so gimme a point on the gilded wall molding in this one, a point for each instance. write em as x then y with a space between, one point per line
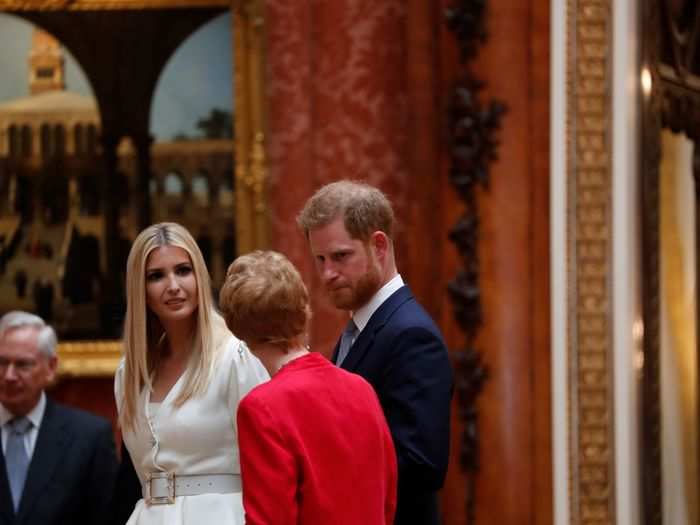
88 358
589 197
106 5
250 125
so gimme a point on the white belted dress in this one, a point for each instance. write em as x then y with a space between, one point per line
196 438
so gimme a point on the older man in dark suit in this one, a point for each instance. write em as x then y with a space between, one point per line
57 465
390 340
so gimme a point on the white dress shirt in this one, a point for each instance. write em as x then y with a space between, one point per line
35 416
361 315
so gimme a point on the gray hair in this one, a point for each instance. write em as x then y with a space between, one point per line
46 341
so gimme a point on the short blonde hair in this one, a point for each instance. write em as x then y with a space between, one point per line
264 299
142 331
363 208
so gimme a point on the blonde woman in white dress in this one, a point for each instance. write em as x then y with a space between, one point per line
179 384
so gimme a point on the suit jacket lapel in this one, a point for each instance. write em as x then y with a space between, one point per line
7 513
48 451
379 318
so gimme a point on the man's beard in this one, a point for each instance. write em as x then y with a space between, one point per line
363 291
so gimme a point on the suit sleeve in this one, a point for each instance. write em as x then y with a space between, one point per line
416 396
268 467
103 470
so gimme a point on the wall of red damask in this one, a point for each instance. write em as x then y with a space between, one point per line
337 109
360 89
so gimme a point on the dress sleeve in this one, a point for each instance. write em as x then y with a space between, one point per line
119 385
268 467
247 372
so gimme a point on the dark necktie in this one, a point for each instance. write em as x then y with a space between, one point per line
346 340
16 457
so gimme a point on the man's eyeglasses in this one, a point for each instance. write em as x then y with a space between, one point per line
21 366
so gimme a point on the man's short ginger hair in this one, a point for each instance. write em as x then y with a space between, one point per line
264 299
363 208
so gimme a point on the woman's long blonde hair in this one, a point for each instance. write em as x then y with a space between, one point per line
143 332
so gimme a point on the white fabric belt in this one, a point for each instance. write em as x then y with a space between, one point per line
162 488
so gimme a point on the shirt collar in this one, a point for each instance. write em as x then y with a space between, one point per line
362 315
35 415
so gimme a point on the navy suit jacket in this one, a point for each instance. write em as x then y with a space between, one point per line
401 353
127 491
71 474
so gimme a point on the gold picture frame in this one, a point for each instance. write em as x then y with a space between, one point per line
99 358
670 109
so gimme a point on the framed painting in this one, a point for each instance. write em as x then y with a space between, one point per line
104 155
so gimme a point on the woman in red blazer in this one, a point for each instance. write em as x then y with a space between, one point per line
315 447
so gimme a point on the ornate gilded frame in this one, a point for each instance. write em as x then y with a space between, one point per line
589 260
671 100
100 358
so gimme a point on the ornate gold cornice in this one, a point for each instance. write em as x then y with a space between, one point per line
589 195
89 358
98 5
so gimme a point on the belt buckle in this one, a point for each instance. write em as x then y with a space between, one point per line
160 500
